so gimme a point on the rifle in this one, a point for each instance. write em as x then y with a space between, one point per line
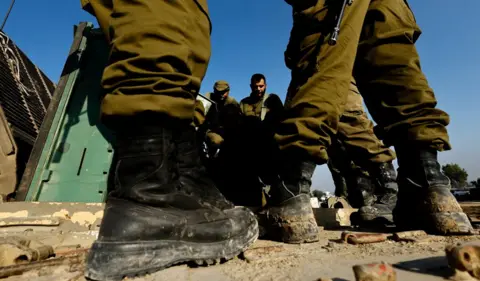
336 29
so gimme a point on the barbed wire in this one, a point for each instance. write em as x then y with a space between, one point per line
13 63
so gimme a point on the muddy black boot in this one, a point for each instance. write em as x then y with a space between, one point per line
361 193
289 214
160 213
425 201
193 173
339 181
361 189
386 190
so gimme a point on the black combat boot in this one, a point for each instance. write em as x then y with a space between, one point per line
193 173
361 188
425 201
386 190
289 214
163 209
339 181
338 164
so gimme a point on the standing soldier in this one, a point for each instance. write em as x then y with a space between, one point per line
164 209
369 183
259 103
262 113
218 111
376 44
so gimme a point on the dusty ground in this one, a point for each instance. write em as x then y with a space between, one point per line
265 260
268 260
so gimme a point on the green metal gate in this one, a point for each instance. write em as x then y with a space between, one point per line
71 157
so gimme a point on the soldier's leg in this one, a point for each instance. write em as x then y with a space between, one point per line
339 165
400 100
163 209
374 188
355 130
320 79
199 114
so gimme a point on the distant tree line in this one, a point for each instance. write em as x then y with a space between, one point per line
476 183
458 176
318 193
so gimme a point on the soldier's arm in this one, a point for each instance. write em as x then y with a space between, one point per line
199 114
241 105
274 104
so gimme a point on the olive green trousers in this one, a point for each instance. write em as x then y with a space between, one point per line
355 132
160 51
376 44
159 55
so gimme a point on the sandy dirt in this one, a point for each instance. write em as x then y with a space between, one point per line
267 260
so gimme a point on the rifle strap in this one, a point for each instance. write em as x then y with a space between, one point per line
264 108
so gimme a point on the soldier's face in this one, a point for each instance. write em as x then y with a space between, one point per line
259 88
221 95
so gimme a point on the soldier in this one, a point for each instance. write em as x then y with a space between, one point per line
259 103
361 165
223 146
218 114
261 114
376 44
164 210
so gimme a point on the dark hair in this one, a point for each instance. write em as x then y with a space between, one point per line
257 77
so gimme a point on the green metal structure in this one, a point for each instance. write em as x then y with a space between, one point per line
71 157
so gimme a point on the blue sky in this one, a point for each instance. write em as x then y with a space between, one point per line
250 36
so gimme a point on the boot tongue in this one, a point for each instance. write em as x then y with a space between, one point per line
193 174
295 178
425 172
421 167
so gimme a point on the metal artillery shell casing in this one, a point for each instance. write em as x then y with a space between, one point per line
465 257
409 235
374 272
363 238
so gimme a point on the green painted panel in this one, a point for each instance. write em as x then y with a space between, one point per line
75 161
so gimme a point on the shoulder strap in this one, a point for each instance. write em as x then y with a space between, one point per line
206 103
242 106
264 108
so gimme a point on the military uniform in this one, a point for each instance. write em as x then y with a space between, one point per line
361 165
246 155
199 115
355 131
395 90
253 106
163 208
219 114
376 44
156 86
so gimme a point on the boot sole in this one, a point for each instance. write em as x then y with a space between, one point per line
112 261
382 218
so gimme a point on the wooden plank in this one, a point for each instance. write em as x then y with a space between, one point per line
472 209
